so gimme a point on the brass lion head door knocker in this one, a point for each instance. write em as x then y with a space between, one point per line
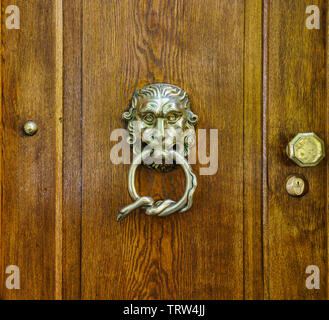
161 129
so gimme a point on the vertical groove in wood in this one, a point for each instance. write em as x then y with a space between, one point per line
59 149
72 149
265 22
327 142
253 280
2 268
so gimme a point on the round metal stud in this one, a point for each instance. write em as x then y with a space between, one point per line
30 128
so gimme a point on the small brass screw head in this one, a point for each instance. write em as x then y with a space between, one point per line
306 149
30 128
296 185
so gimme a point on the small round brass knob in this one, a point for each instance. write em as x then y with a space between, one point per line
306 149
296 185
30 128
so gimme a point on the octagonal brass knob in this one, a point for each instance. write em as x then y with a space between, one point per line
306 149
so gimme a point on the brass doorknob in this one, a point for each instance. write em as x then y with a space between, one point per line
306 149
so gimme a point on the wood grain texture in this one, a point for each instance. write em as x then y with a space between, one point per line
199 47
31 166
253 272
72 148
297 102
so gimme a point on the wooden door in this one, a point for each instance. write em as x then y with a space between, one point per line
252 70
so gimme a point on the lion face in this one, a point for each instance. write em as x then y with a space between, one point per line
159 116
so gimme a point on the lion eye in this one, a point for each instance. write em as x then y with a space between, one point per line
173 117
149 118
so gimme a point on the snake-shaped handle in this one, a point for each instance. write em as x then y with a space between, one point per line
160 208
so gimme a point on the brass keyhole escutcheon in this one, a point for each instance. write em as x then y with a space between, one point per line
296 185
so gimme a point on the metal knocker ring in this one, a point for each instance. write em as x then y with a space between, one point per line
160 107
160 208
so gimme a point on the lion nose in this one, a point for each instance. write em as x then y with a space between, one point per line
160 127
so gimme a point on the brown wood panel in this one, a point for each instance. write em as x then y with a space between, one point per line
31 166
72 148
296 228
253 259
198 46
